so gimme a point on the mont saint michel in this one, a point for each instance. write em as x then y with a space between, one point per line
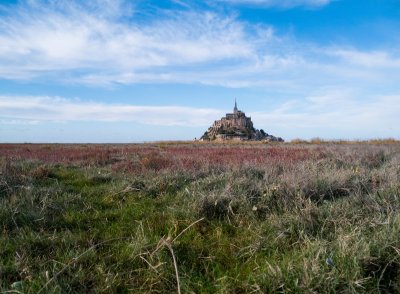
238 127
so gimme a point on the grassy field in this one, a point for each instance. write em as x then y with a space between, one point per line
200 218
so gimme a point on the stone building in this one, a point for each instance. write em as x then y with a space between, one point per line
236 126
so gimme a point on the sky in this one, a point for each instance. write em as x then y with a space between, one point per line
114 71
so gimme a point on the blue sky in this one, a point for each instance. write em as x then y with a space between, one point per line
134 71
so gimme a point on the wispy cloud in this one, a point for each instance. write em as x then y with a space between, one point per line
336 113
281 3
368 59
100 43
31 109
18 122
327 113
41 39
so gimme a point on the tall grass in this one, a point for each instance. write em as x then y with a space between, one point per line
202 218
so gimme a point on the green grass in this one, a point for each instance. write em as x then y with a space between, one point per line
233 227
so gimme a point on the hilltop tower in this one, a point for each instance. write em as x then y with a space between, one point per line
235 109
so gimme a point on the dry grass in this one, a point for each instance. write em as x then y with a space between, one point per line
300 217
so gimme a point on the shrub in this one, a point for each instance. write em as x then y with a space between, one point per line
156 161
12 177
41 172
216 208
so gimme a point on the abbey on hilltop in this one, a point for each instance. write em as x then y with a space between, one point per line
236 126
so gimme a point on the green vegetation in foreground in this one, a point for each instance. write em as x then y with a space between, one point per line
326 223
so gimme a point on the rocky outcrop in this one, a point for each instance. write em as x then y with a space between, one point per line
236 126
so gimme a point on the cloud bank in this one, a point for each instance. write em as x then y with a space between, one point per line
324 114
37 109
62 38
330 112
108 42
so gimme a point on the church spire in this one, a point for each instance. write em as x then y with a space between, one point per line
235 109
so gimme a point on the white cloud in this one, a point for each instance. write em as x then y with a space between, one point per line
281 3
335 113
18 122
372 59
15 109
101 44
327 113
68 36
